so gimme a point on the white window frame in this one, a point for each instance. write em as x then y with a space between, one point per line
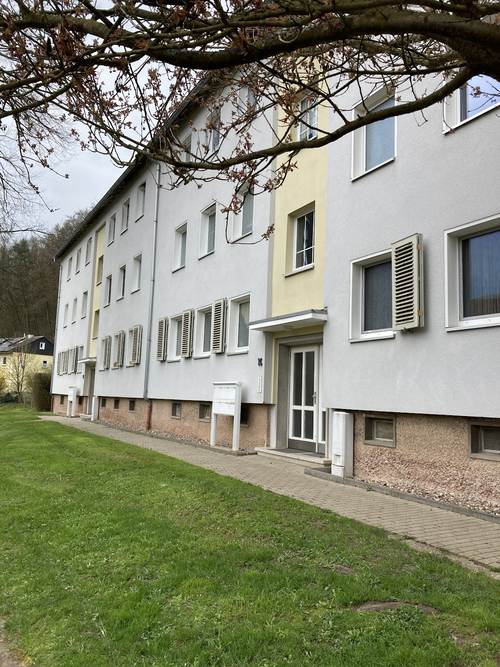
66 315
199 330
140 201
356 301
358 148
454 320
308 119
179 231
111 228
108 286
99 270
137 271
85 301
174 326
215 119
74 310
452 117
125 216
122 276
204 229
70 268
88 251
233 322
238 232
295 219
78 260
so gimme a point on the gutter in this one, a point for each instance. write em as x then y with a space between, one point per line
54 355
151 295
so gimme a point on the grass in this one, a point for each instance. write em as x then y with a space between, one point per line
115 555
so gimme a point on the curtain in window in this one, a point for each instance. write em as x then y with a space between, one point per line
380 138
377 297
481 274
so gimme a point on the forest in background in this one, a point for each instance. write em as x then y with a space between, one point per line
29 279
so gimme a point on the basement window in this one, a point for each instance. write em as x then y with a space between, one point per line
205 412
176 409
131 406
116 404
485 441
244 414
380 431
103 402
61 399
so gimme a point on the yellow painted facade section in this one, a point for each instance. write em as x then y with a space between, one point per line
303 189
96 295
14 375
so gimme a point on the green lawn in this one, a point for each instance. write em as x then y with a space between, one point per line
114 555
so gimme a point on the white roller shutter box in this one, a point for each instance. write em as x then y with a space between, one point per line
218 326
407 283
186 333
161 340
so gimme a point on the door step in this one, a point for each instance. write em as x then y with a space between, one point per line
294 456
85 418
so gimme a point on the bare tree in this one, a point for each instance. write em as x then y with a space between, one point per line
123 69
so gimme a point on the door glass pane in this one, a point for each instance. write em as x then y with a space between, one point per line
309 424
377 297
481 274
309 378
297 378
380 138
297 424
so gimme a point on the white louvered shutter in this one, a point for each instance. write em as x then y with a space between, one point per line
121 348
186 333
407 283
75 360
218 326
135 355
139 344
161 341
108 352
59 363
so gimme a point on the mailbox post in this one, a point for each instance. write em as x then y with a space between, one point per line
226 401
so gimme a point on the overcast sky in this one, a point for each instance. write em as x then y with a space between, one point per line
90 175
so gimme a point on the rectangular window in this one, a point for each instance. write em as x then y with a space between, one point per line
245 414
247 213
61 399
116 404
66 315
111 228
125 216
204 412
141 200
174 342
176 409
304 241
214 124
243 321
121 283
88 251
137 268
207 241
95 325
238 328
103 402
70 265
203 332
377 297
78 260
477 95
131 406
107 290
180 247
100 268
308 119
481 274
375 143
379 431
85 298
74 311
485 440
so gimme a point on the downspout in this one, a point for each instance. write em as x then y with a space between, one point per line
151 298
54 355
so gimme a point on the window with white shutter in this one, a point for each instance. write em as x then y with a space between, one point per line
161 339
119 349
106 353
218 326
135 345
407 283
186 333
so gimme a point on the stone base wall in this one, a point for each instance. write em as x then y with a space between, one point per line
189 426
431 457
59 408
122 416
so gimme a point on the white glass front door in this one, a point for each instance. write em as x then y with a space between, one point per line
306 421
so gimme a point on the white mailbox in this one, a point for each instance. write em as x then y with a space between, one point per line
72 400
342 442
226 401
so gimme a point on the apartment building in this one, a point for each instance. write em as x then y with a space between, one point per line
164 303
364 333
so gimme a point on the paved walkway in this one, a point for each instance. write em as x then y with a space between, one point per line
469 538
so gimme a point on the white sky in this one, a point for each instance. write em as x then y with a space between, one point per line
90 176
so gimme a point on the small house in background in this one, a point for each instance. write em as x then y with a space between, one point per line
20 358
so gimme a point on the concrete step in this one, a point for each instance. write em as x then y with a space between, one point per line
294 456
85 418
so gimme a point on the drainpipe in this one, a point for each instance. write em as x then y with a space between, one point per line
54 354
151 298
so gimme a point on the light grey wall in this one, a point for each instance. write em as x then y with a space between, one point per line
437 182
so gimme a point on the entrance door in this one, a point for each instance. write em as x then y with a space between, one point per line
305 426
90 389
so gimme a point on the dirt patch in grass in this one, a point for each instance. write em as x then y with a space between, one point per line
373 605
7 657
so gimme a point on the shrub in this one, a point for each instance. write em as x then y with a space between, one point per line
40 388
